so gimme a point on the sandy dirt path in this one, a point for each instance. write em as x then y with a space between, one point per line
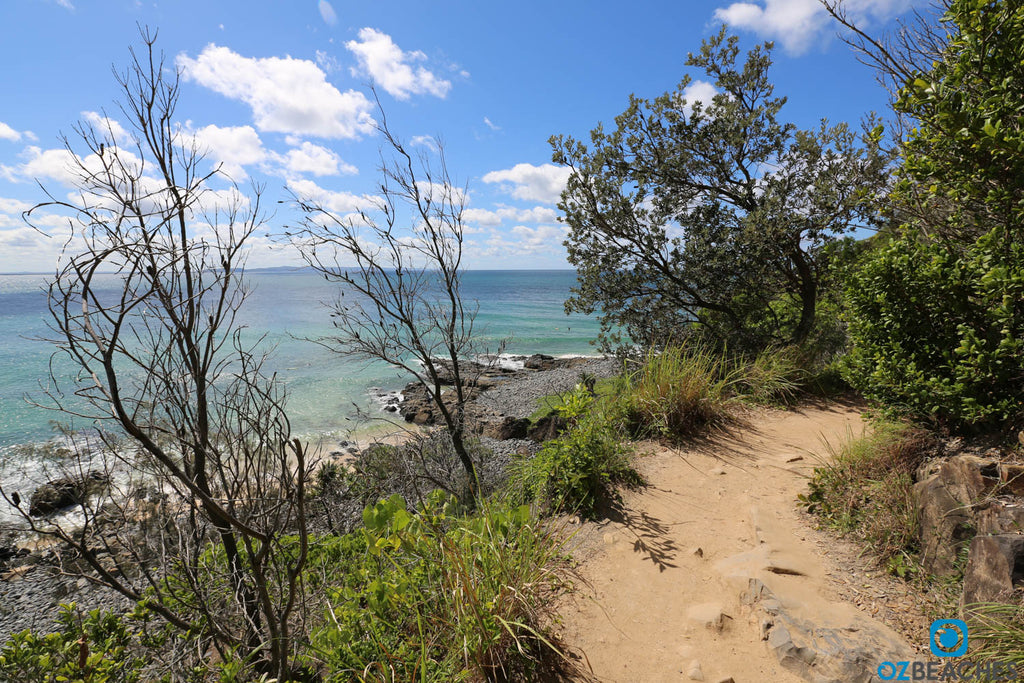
666 576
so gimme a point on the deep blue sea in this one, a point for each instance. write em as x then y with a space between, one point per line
526 307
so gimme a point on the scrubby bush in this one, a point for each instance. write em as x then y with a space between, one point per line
865 488
431 595
938 333
92 648
578 471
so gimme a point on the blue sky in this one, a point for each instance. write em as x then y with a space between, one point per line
279 92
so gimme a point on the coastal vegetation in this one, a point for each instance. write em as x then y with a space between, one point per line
714 241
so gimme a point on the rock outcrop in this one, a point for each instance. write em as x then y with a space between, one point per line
970 505
824 654
61 493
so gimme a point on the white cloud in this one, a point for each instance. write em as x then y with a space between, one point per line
328 62
533 183
8 133
234 147
327 13
310 158
13 206
287 95
337 202
698 91
424 141
492 218
107 127
51 164
523 241
392 69
491 125
797 24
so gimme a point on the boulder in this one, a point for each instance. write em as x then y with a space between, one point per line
547 428
995 568
946 525
503 428
64 492
1001 515
539 361
946 497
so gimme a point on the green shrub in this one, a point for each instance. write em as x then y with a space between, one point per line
938 332
95 648
432 595
865 489
578 471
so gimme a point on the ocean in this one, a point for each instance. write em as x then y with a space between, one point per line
523 307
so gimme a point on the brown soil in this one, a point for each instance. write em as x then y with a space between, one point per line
714 515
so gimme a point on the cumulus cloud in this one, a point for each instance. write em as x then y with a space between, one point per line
286 95
337 202
320 161
234 147
493 218
8 133
542 183
50 164
524 241
392 69
699 91
797 24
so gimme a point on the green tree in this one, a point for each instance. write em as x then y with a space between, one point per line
937 313
713 212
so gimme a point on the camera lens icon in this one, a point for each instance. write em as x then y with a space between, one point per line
948 638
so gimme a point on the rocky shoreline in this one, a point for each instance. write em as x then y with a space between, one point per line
504 394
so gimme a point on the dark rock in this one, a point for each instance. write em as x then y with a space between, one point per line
995 567
539 361
504 428
547 428
1012 476
66 491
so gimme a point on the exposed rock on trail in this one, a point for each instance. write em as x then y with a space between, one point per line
712 570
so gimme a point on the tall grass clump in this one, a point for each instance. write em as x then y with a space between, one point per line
775 376
997 633
865 489
579 470
434 595
676 392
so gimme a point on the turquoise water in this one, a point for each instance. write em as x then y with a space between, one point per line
526 307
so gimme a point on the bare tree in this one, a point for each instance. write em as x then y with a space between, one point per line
399 264
203 519
901 54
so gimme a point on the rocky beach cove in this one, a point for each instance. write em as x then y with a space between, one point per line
32 584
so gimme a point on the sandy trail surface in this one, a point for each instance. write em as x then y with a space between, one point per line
664 578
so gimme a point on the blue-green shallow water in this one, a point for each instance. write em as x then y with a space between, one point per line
286 306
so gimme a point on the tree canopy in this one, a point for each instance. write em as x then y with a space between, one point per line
713 215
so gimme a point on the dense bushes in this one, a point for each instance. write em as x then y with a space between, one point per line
937 333
578 471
